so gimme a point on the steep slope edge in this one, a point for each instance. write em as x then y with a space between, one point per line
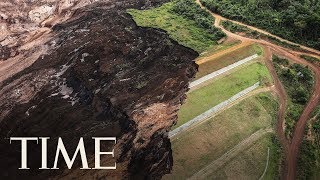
96 74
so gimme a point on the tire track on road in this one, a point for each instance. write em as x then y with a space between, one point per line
290 166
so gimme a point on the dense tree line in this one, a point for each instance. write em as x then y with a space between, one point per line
190 10
298 81
295 20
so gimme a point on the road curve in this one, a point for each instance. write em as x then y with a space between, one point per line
289 171
282 95
219 18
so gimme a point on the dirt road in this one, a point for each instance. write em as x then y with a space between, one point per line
282 98
281 93
219 18
300 127
291 149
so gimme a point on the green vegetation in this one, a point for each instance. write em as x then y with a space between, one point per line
236 28
298 82
250 164
223 46
221 89
311 59
190 10
184 21
227 59
298 21
197 147
309 159
274 158
281 43
269 104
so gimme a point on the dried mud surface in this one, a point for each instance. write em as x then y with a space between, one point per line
83 68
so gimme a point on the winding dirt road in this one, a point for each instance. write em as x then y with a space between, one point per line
291 149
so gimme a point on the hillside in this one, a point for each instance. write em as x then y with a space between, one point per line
90 72
184 21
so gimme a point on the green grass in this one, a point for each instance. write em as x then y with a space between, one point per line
223 46
199 146
221 89
236 28
311 59
185 31
269 104
250 164
227 59
275 158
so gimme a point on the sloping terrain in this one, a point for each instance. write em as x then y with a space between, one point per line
204 144
84 69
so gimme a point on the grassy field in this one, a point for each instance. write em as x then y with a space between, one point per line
228 43
221 89
251 163
180 28
227 59
199 146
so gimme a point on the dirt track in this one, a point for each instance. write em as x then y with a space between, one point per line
291 149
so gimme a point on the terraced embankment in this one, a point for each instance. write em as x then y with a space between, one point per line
221 71
202 144
213 92
209 113
289 171
232 153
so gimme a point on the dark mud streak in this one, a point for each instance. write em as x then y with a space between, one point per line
126 71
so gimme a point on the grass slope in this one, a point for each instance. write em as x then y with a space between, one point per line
184 25
197 147
221 89
227 59
250 164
